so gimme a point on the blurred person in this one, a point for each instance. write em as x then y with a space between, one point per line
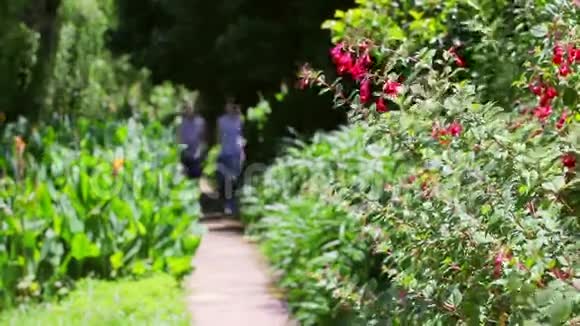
191 134
231 156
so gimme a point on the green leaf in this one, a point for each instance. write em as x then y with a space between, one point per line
570 97
116 260
179 266
560 310
539 30
82 247
555 184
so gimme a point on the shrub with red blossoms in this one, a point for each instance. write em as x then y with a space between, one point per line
489 177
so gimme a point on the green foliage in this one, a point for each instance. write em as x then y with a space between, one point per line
57 61
104 199
152 301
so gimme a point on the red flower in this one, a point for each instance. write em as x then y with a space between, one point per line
558 57
498 264
562 121
357 71
381 105
536 89
543 112
336 52
560 274
500 258
455 129
564 70
392 88
459 61
341 58
412 179
551 92
441 135
569 160
571 53
544 100
365 91
365 60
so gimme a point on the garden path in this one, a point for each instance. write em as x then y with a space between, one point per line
230 284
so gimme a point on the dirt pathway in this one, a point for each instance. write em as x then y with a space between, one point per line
230 285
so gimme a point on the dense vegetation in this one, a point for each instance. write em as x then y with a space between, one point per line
103 200
453 196
90 185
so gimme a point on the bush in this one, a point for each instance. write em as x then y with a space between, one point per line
152 301
110 202
463 212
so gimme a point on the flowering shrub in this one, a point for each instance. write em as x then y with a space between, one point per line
479 222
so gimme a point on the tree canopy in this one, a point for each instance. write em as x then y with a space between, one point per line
235 47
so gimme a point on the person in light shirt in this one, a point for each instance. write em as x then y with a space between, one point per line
231 156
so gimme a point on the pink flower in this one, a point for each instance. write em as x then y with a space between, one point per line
392 88
455 129
365 91
381 105
543 112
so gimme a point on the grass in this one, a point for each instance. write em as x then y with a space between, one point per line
155 301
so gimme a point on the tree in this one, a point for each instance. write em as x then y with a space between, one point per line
227 47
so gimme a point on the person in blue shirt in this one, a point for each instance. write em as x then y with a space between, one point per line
231 156
191 134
